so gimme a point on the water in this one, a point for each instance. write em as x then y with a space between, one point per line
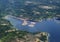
51 26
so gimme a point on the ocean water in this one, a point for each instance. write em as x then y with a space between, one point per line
51 26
